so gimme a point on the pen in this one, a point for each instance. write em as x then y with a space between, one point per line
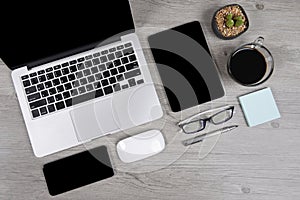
209 134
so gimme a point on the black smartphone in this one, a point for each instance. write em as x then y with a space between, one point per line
185 65
78 170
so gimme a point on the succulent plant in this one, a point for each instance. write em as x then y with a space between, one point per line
236 21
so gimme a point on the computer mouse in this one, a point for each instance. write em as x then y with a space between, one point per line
140 146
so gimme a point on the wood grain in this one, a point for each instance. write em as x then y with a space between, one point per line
262 162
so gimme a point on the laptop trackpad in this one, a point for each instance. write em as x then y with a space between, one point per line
93 120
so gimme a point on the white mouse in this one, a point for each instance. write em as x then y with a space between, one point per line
140 146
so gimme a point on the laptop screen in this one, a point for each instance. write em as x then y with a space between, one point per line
48 30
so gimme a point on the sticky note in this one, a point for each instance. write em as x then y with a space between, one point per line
259 107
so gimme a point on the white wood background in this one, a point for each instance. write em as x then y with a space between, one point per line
262 162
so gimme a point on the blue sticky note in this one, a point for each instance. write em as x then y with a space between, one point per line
259 107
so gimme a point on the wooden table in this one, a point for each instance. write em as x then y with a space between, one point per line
262 162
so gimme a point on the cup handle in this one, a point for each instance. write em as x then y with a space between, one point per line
259 40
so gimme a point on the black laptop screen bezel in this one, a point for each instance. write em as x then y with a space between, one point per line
16 51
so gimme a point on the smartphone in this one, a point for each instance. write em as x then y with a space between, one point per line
78 170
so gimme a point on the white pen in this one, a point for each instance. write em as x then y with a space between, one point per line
210 134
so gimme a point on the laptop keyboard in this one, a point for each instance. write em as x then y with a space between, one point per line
93 76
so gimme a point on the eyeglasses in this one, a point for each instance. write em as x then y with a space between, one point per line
193 126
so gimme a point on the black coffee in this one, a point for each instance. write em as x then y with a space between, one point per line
247 66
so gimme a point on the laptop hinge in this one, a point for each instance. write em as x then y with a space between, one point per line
111 40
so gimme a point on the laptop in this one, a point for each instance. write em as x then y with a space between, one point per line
79 71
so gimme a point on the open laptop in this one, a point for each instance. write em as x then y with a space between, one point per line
78 71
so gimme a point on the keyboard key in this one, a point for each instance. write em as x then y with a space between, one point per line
103 59
94 70
65 64
42 78
113 71
128 44
52 91
68 86
132 58
112 49
96 61
80 66
37 104
51 108
128 51
106 74
121 69
50 76
109 65
57 67
43 110
76 83
69 102
41 72
33 74
40 87
104 52
120 47
71 77
88 64
140 81
34 80
89 87
50 99
24 77
83 81
72 62
125 86
91 79
66 94
117 87
118 54
33 97
44 93
80 59
132 73
98 76
120 77
117 62
58 97
108 90
26 83
74 92
49 69
35 113
111 56
48 84
104 82
86 72
96 55
63 79
81 90
131 82
112 80
65 71
131 66
60 88
99 93
97 85
88 57
56 82
30 90
101 67
73 68
124 60
79 74
60 105
57 73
